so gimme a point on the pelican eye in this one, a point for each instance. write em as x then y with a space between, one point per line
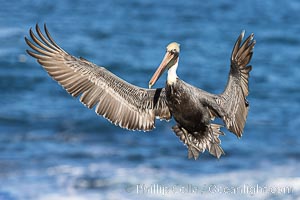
173 51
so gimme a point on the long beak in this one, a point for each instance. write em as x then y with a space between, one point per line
162 68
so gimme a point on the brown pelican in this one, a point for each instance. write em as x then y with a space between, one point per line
136 108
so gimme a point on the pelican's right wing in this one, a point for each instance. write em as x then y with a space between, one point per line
121 103
233 100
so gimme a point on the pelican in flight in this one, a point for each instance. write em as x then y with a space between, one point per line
136 108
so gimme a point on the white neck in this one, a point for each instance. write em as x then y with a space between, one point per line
172 75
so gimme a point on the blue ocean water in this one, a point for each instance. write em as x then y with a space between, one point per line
52 147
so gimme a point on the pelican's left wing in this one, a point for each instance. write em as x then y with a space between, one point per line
120 102
233 100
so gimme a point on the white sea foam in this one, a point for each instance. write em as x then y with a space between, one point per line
110 181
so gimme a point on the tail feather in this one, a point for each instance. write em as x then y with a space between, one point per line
198 142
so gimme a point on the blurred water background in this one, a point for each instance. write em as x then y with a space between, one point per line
52 147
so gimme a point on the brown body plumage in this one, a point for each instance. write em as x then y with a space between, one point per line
136 108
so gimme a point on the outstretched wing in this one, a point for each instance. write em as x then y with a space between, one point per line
120 102
233 100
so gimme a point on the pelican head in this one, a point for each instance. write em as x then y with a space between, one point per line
170 62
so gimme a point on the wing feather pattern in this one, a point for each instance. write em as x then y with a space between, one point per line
233 100
122 103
